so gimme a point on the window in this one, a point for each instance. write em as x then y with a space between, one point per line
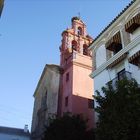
67 77
74 45
79 32
117 48
121 74
90 103
114 44
66 101
85 49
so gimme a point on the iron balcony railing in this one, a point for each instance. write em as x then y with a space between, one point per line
120 76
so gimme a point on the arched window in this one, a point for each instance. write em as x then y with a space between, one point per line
74 45
85 50
79 31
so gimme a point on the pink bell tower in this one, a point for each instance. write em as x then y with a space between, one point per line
76 87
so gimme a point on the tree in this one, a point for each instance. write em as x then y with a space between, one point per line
68 127
119 111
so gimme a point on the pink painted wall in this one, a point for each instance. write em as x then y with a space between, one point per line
82 89
78 89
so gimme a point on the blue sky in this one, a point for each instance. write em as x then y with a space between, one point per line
30 36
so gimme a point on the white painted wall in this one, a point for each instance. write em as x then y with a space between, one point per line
50 83
134 50
100 55
135 70
101 80
135 34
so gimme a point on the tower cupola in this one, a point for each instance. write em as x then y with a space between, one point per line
78 26
75 40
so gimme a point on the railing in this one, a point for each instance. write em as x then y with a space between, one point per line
120 76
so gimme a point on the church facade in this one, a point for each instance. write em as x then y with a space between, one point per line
68 87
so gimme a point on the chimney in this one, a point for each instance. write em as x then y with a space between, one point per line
26 128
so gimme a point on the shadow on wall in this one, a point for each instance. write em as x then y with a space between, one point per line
84 106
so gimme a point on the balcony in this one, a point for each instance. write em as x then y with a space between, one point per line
114 44
120 76
118 60
133 24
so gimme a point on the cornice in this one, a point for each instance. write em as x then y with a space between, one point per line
82 37
114 22
82 65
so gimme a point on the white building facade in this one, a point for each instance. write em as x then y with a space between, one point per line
116 51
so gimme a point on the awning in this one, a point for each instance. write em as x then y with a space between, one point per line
118 60
135 59
133 24
114 42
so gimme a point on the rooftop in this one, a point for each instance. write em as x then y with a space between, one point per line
114 19
13 131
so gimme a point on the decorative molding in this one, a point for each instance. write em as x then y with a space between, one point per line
82 65
114 23
133 13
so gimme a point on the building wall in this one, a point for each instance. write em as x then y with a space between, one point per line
103 72
4 136
82 83
135 34
82 88
110 74
46 99
66 91
100 55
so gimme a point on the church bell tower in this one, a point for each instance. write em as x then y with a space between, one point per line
76 87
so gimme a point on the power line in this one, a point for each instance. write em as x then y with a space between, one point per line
15 114
14 109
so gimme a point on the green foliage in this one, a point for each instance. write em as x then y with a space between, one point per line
68 127
119 111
